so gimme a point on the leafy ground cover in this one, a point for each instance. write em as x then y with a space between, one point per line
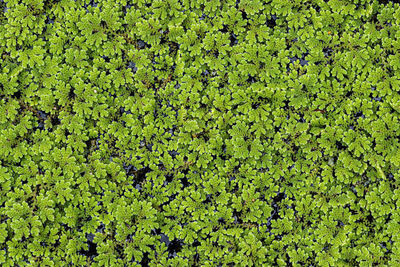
199 133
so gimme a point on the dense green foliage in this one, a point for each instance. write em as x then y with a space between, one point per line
199 133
